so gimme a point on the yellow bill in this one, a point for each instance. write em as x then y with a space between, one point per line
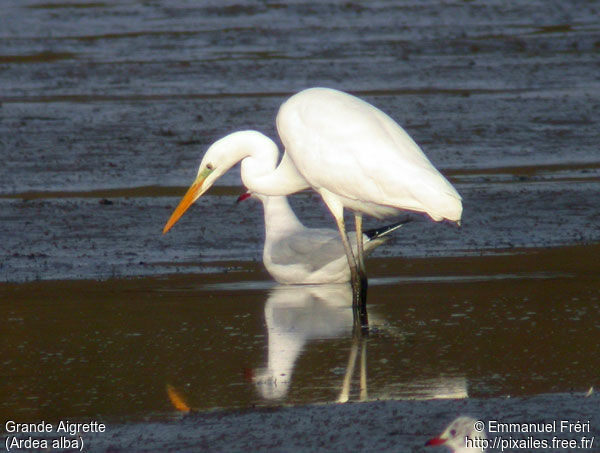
193 193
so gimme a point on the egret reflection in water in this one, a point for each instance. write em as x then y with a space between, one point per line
295 315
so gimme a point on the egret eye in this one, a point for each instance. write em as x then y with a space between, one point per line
210 167
453 432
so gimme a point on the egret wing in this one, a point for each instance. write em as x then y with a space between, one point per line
347 146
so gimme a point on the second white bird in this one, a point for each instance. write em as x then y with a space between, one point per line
294 254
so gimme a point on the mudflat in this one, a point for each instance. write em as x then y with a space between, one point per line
106 109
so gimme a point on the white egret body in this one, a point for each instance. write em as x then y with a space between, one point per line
294 254
350 152
356 156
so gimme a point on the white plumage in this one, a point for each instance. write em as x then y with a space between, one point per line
294 316
351 153
295 254
342 145
455 434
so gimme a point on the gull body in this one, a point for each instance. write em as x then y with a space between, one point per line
455 434
294 254
351 153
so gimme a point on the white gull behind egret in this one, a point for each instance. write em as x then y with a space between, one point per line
294 254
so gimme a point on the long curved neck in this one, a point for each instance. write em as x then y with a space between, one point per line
257 152
261 176
258 155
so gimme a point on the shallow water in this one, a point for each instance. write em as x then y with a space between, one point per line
105 109
516 324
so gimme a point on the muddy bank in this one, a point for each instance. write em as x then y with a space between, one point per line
105 110
74 237
377 426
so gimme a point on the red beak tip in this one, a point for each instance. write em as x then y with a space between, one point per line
244 196
435 441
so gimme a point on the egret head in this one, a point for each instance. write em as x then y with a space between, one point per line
220 157
217 160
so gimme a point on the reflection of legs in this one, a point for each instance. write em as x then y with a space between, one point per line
344 395
358 339
363 370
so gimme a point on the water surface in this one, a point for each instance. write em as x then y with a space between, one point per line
105 111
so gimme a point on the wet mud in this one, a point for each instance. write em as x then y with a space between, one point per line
105 111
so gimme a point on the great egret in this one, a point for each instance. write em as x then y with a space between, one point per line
350 152
295 255
455 435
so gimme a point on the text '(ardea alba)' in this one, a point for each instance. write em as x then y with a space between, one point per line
295 255
350 152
